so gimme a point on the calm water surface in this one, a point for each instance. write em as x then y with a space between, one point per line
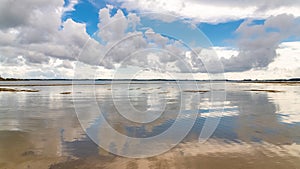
259 126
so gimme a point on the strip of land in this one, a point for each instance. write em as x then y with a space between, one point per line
17 90
259 90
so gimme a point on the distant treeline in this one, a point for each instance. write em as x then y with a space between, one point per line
172 80
9 79
272 80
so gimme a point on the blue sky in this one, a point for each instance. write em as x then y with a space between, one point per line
220 34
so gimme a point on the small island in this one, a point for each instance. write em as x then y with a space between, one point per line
16 90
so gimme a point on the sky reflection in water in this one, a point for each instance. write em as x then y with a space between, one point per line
41 129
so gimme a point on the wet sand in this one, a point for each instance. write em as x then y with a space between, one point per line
212 154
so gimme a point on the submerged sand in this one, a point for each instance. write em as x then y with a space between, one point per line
213 154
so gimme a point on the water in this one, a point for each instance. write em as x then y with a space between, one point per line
259 127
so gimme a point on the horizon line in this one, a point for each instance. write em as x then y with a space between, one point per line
108 79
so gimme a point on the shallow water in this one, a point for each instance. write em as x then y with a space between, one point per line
257 129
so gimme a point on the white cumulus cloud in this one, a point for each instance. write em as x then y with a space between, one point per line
215 11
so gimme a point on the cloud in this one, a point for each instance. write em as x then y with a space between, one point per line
63 44
66 64
43 37
123 43
20 13
285 65
114 28
257 44
215 11
39 38
36 32
70 6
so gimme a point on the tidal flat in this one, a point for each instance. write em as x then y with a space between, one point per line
258 124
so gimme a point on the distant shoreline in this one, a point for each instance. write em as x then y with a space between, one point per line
172 80
69 82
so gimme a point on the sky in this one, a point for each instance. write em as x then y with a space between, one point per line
181 39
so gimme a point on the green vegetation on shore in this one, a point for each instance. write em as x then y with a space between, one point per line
9 79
